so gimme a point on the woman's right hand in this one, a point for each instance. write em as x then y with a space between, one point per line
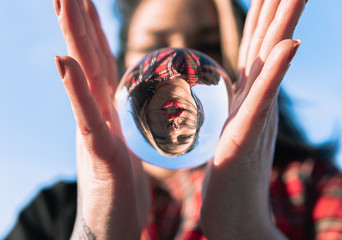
236 191
113 190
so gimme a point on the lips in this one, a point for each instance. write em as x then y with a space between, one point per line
172 109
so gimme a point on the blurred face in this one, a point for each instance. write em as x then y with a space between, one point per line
173 23
172 116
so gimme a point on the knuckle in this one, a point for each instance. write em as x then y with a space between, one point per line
263 113
97 77
236 141
87 130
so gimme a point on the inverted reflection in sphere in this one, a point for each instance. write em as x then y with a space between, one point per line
172 106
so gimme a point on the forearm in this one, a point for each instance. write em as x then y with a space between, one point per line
82 230
244 208
105 217
106 207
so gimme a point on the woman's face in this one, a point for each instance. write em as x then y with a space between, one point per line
172 116
173 23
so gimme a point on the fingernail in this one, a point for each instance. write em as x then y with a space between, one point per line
60 66
306 1
86 3
58 7
294 50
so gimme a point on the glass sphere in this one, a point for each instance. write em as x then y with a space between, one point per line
172 106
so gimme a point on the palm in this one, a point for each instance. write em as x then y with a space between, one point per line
244 154
109 176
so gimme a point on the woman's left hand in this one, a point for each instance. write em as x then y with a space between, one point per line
235 193
113 191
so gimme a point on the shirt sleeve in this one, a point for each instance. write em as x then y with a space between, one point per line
50 215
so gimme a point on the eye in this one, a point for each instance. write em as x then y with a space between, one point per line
160 139
188 123
211 49
183 138
152 47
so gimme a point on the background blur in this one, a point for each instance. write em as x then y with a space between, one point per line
36 122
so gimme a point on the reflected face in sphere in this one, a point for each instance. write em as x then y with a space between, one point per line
172 106
173 23
172 116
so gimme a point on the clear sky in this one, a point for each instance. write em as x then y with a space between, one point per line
36 122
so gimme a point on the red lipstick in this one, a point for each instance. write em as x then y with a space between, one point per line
172 109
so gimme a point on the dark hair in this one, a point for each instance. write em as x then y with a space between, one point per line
291 140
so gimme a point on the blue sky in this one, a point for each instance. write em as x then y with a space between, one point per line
36 122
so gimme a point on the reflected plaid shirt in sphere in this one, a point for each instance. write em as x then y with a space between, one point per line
168 63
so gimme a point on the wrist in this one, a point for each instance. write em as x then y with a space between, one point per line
104 214
259 228
235 205
105 227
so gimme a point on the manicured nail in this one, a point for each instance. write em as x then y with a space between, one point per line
294 50
60 66
58 7
86 3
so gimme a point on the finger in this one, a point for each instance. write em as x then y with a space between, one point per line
89 119
93 34
283 25
81 46
267 13
250 25
245 129
87 113
112 76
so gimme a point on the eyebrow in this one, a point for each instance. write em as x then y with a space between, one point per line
181 142
199 31
203 31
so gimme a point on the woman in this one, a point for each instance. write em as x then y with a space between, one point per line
114 191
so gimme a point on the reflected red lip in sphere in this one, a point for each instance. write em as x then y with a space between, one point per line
172 109
172 103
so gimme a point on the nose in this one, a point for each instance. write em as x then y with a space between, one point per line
178 40
172 125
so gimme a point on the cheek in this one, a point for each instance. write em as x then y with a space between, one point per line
155 120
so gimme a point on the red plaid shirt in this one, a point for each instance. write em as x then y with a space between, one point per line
167 63
306 203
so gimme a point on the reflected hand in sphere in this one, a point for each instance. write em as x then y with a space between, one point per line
172 107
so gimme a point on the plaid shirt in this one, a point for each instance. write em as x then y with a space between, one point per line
305 197
167 63
306 203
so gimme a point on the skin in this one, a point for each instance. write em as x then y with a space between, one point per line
179 137
151 29
111 180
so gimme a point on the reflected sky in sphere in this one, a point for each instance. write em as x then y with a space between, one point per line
207 81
